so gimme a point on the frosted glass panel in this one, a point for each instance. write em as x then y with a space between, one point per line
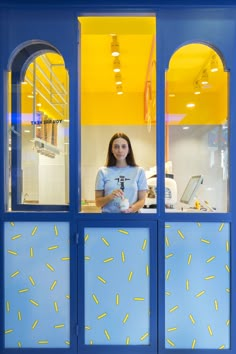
197 302
37 285
117 303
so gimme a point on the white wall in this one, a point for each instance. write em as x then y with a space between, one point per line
95 140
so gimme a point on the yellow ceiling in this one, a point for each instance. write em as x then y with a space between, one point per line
135 36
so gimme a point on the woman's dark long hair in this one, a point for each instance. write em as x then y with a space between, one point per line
111 160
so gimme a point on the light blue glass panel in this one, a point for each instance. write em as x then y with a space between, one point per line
197 302
37 285
117 296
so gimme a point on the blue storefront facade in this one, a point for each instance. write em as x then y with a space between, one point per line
78 281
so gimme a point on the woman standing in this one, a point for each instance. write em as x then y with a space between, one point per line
120 179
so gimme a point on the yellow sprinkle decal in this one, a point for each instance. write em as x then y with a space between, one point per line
50 267
144 245
117 299
8 306
127 342
189 259
169 255
86 237
167 226
65 258
59 326
101 279
14 253
181 234
95 299
168 293
53 285
16 237
192 319
227 268
87 328
138 298
8 331
23 290
19 344
107 334
174 308
187 284
67 342
43 342
210 259
35 324
108 260
32 280
34 302
31 252
102 315
53 247
170 342
12 223
221 227
198 224
227 322
216 305
193 343
144 336
14 274
210 330
222 346
227 290
87 258
125 318
171 329
123 232
19 316
201 293
105 241
209 277
147 270
55 306
56 230
168 274
34 230
123 256
205 241
227 246
130 276
167 242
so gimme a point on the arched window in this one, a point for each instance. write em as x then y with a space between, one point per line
38 129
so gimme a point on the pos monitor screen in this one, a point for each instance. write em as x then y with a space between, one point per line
191 189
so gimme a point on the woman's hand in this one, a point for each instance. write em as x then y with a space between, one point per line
117 193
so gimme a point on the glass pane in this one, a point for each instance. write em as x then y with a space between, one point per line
39 133
104 111
117 283
37 289
196 131
197 301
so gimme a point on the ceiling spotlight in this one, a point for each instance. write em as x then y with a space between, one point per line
204 78
115 50
119 90
214 64
116 65
118 79
197 88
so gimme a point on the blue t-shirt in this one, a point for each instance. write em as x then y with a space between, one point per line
129 179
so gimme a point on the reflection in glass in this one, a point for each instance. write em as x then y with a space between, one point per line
196 121
39 133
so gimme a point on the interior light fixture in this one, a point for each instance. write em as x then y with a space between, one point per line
190 105
118 79
214 64
119 90
197 88
116 65
204 78
115 48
